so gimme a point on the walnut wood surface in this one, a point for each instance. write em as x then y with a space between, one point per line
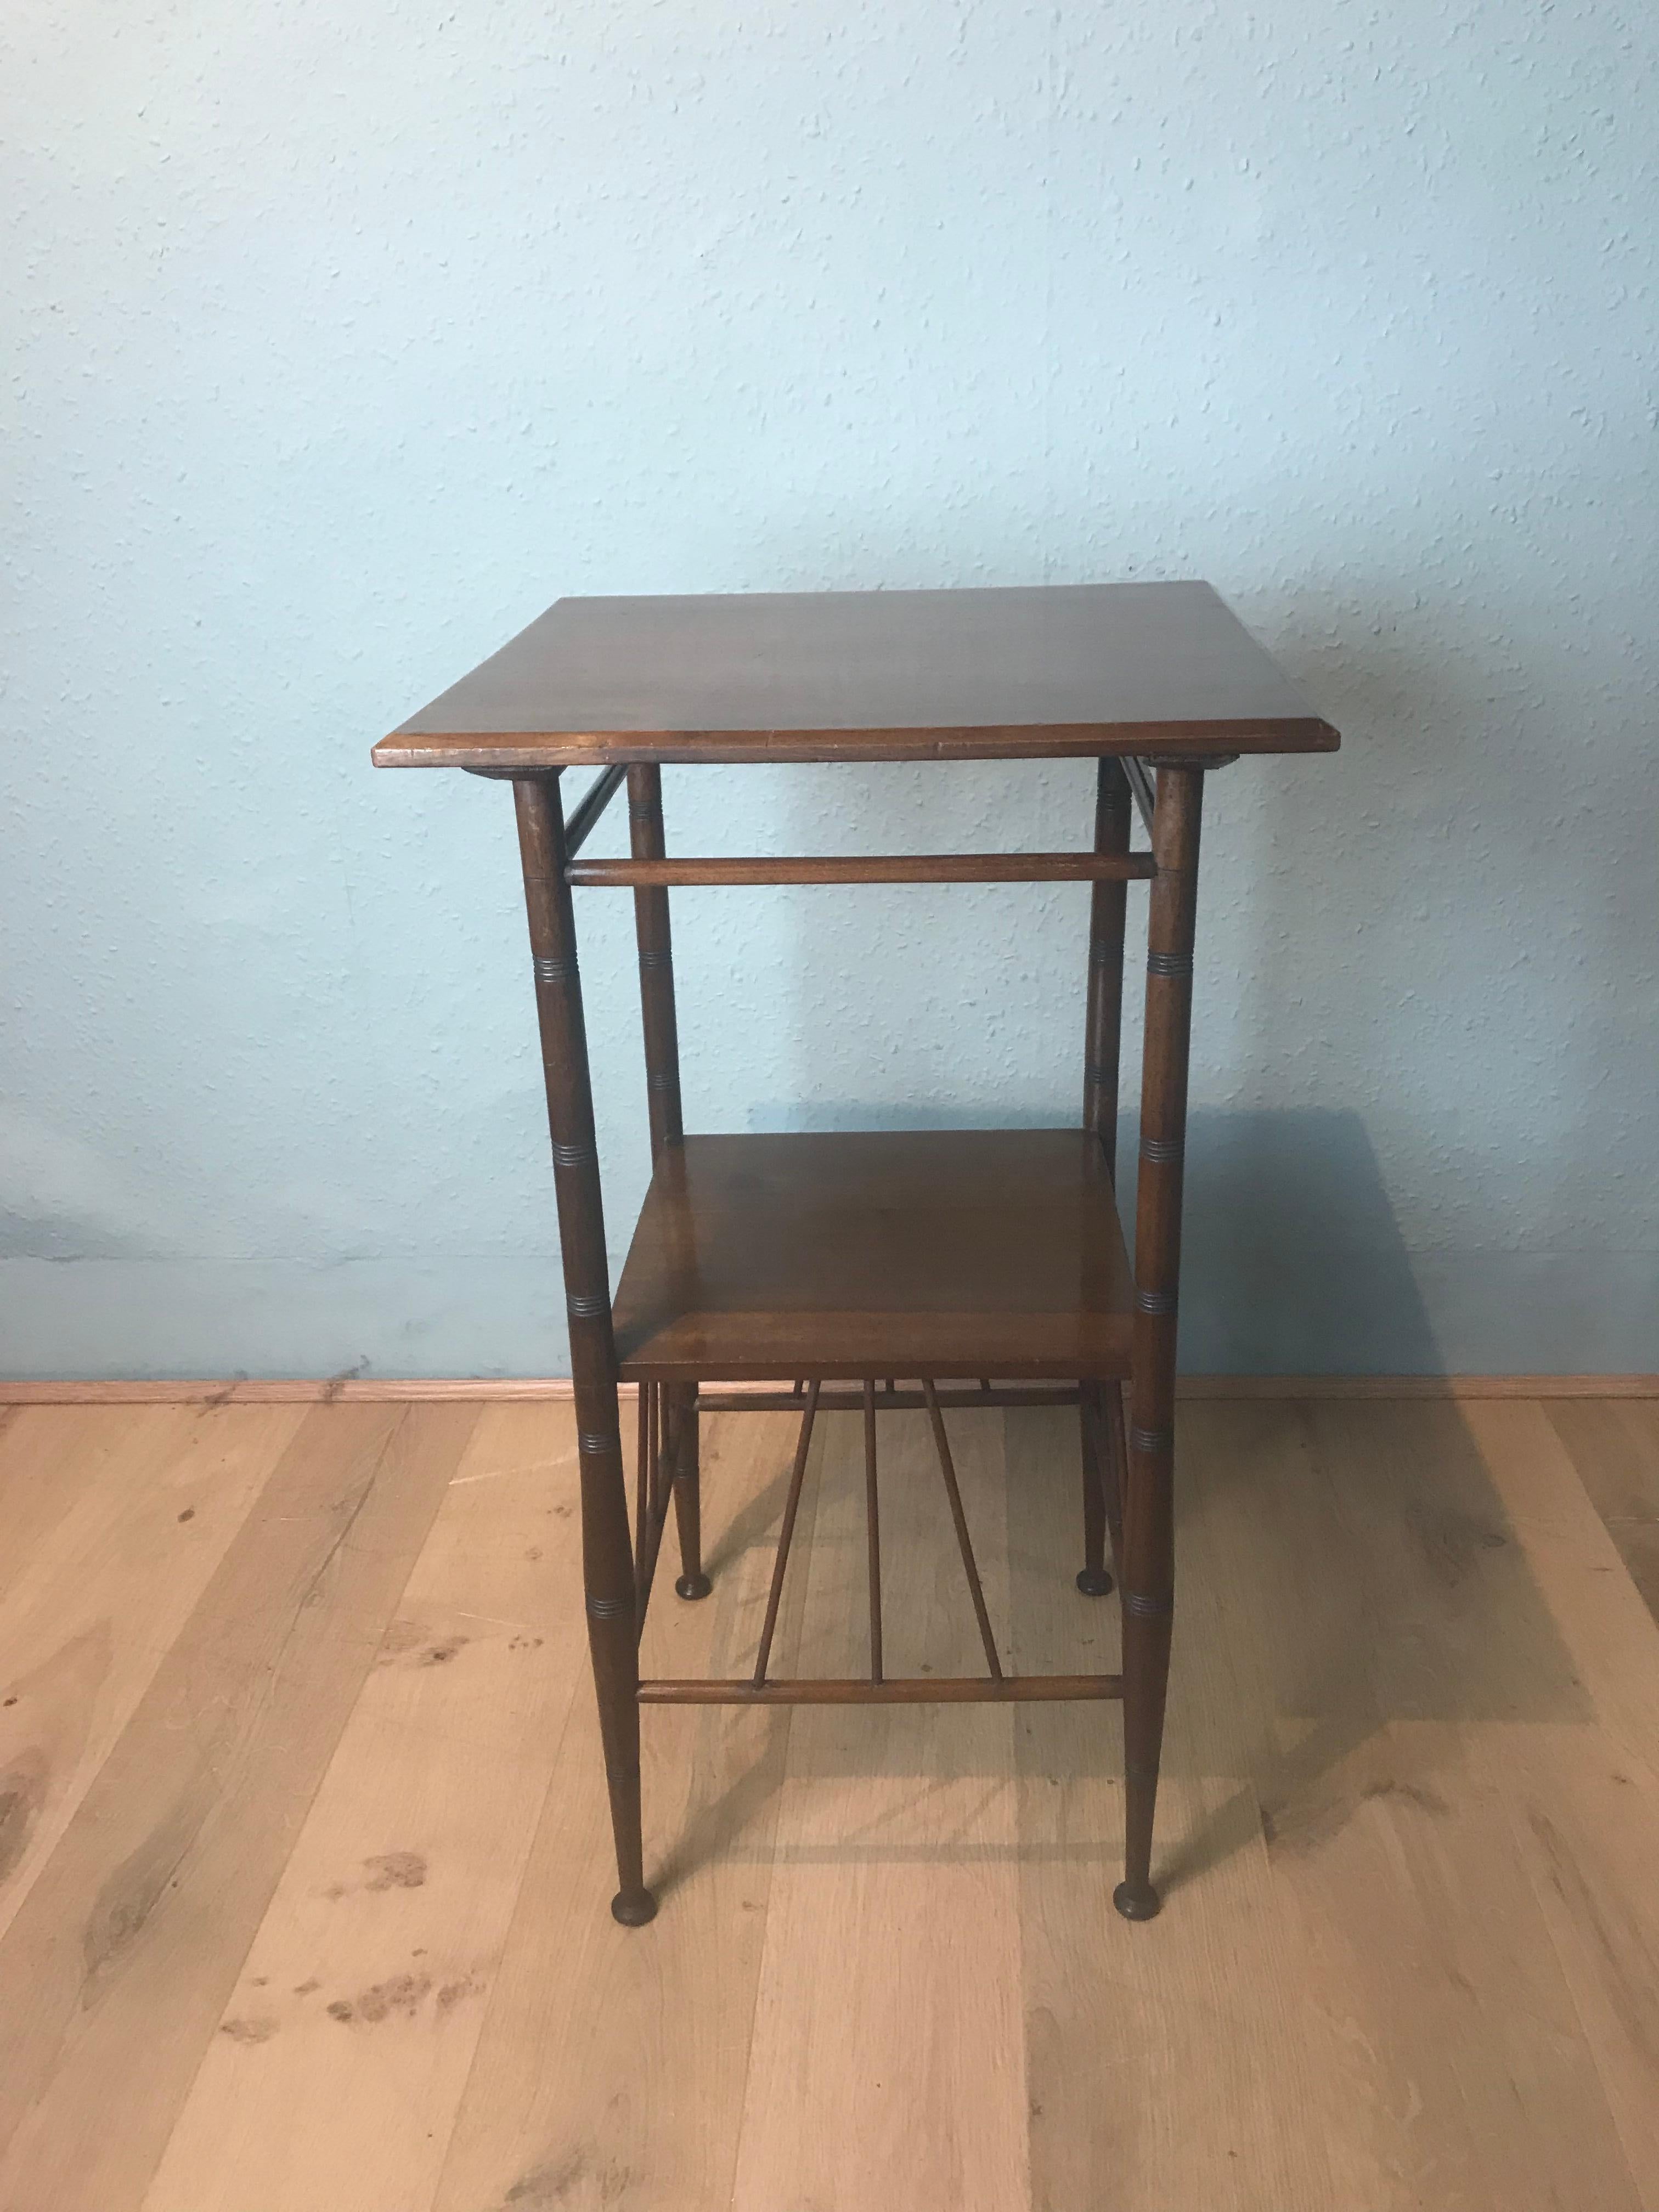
1148 1541
909 1253
753 1398
871 868
1107 913
607 1560
1139 668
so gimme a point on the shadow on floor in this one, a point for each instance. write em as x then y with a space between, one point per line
1345 1568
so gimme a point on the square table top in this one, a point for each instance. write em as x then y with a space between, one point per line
1047 670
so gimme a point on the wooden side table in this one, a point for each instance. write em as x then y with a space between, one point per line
985 1269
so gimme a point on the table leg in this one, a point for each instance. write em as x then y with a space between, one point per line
656 950
1100 1052
1094 1579
607 1554
1107 907
662 1086
1148 1522
1109 1398
693 1583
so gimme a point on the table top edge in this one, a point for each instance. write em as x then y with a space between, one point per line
537 751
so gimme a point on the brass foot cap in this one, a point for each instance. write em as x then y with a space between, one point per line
633 1907
1094 1581
1134 1902
693 1586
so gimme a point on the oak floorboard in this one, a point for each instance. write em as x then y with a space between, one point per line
140 1512
610 2066
66 1473
888 2063
1615 1449
1409 1951
1427 1938
114 1973
1583 1788
49 1456
359 2002
1164 2055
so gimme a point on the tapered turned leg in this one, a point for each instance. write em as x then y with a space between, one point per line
1102 1038
1114 1466
688 1502
607 1552
872 1528
1103 1013
1148 1549
662 1085
1094 1580
656 949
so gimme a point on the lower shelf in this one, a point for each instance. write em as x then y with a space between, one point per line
956 1252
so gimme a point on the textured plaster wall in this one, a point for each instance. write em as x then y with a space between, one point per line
341 336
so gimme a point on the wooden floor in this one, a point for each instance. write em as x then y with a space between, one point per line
304 1862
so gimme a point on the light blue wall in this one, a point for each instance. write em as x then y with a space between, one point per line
341 337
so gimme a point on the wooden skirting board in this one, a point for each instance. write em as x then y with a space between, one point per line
241 1390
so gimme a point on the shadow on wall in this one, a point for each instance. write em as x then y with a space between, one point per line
1295 1262
1292 1263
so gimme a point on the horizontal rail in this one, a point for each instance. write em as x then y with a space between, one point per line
589 807
887 1401
874 868
909 1690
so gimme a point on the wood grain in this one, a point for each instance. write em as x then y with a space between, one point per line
958 675
611 2066
117 1530
994 1252
868 868
1615 1449
114 1972
889 2069
1582 1789
1409 1817
1425 1946
1171 2070
362 1997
